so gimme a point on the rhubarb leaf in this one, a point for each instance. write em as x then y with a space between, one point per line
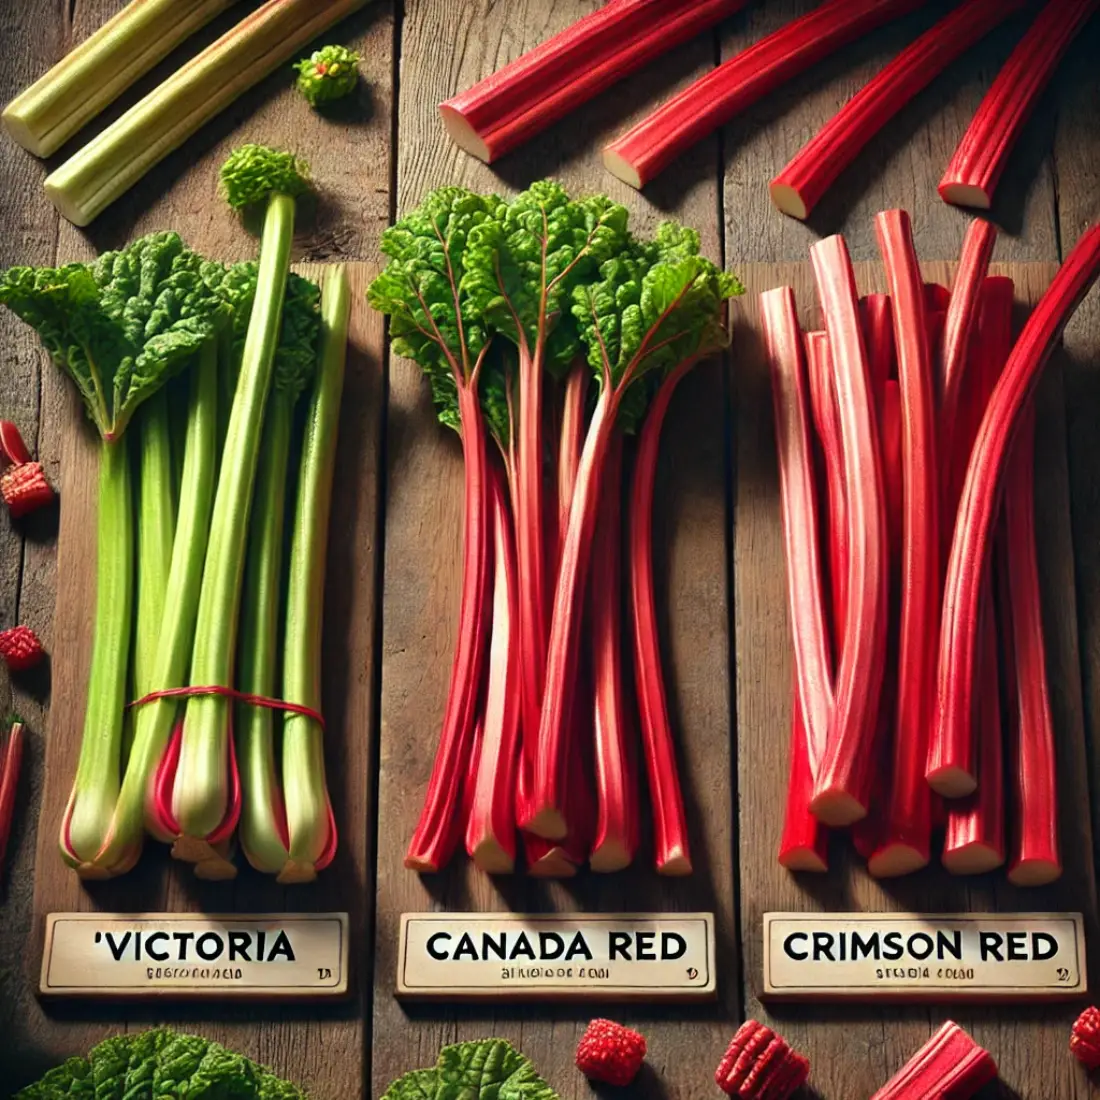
72 1080
489 1069
253 173
421 1084
110 1060
121 328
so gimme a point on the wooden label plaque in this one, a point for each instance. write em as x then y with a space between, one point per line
988 957
508 957
296 956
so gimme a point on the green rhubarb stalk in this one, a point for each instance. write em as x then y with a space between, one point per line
101 68
112 162
307 799
153 721
262 818
251 175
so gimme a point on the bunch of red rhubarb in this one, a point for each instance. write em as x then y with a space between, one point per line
918 654
495 301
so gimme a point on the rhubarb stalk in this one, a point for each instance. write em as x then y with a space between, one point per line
950 763
800 186
647 149
950 1066
979 160
511 106
10 767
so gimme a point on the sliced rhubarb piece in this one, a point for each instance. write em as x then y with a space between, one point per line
840 789
491 820
1033 761
760 1065
801 185
647 149
616 776
979 160
511 106
950 770
907 818
950 1066
799 507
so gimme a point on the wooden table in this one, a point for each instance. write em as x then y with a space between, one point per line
726 620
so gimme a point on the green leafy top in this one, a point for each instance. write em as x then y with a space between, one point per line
251 174
120 328
487 1069
327 74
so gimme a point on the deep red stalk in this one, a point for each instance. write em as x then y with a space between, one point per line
440 827
491 824
936 297
783 343
804 845
840 790
672 853
1033 758
644 151
950 1066
979 160
801 185
616 777
511 106
878 330
907 819
572 437
950 770
9 785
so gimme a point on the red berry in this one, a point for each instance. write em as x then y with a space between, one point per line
1085 1040
24 488
20 648
760 1065
610 1053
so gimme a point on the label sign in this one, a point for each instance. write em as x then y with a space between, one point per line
490 956
271 956
902 957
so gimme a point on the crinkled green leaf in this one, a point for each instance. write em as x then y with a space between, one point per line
421 1084
328 73
145 1049
270 1087
178 1062
122 327
222 1075
489 1069
72 1080
253 173
110 1060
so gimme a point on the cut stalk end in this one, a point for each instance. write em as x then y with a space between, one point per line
788 201
548 823
803 860
612 855
674 864
20 131
952 781
837 808
463 134
554 864
1034 872
490 856
67 203
975 858
423 865
965 194
621 168
894 860
296 873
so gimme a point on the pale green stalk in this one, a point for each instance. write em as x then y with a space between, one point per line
201 793
95 789
101 68
307 800
111 163
259 646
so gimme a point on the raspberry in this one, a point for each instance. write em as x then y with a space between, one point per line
20 648
1085 1040
610 1053
760 1065
24 488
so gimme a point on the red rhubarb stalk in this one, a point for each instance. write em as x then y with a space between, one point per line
950 1066
440 826
9 785
976 166
907 819
647 149
672 853
799 506
616 780
491 824
878 328
1035 857
511 106
951 769
804 845
572 437
800 186
840 789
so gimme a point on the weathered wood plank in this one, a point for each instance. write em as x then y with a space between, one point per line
854 1050
422 575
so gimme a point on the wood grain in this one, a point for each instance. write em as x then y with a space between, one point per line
422 573
853 1050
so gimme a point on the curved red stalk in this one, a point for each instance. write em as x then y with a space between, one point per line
798 501
840 789
672 852
1033 759
878 328
514 104
440 826
950 765
803 182
907 819
804 845
976 166
572 437
647 149
616 778
9 785
491 822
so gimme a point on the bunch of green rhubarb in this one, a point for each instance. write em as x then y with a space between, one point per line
498 301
